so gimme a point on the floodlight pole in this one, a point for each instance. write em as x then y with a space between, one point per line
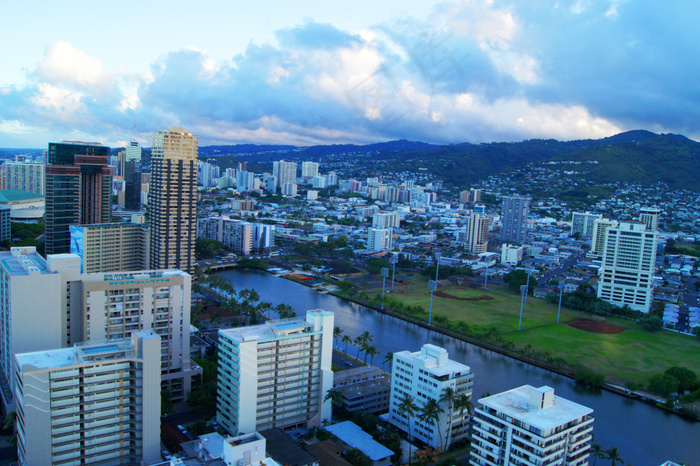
394 260
385 273
433 286
561 293
486 277
523 292
528 283
437 269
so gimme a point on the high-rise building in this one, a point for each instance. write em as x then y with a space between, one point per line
626 275
649 216
288 189
424 375
529 425
386 220
284 172
511 255
95 403
25 176
309 170
110 247
237 236
78 182
583 223
31 317
514 212
132 177
172 200
379 239
263 236
276 374
600 232
477 233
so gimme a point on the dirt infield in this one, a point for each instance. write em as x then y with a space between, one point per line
595 327
442 294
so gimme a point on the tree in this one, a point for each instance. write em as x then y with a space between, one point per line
651 323
10 420
208 248
285 311
389 359
430 414
359 343
408 408
464 402
334 396
687 379
346 339
517 278
597 452
613 455
663 384
371 351
336 333
355 457
448 396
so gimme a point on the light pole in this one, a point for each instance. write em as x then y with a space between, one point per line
528 283
437 269
523 293
432 284
394 260
561 293
385 273
486 277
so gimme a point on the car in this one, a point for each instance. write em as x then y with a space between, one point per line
181 429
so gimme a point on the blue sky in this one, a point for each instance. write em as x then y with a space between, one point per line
321 72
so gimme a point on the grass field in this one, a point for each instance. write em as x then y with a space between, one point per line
633 355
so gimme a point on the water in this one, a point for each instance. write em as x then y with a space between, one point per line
644 434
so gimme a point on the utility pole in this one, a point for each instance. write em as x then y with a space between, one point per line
523 293
385 273
433 286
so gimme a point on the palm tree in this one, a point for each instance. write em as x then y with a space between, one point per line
448 396
461 403
430 414
372 352
597 452
408 408
359 343
346 339
389 359
335 397
336 333
613 455
366 337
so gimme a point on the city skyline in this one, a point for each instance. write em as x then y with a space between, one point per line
473 71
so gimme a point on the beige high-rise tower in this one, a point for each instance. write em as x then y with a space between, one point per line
172 203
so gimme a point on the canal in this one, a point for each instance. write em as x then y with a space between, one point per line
644 434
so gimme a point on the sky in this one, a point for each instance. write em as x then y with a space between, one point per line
324 72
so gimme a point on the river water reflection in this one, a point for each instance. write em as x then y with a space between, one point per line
645 435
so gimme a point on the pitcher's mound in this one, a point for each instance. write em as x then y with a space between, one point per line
595 327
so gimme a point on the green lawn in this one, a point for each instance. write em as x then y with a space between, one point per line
634 354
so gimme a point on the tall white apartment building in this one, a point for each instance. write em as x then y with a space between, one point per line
77 307
245 181
95 403
649 216
424 375
288 189
379 239
477 233
583 224
263 236
514 212
532 426
276 374
309 170
626 276
25 176
600 232
110 247
386 220
31 317
284 172
237 236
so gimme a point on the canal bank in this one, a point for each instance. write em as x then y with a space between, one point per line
644 434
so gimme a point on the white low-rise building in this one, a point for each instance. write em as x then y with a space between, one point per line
529 425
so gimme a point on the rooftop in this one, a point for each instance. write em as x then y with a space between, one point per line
22 261
17 195
351 434
517 403
268 331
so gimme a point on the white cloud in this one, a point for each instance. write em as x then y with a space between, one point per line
64 64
